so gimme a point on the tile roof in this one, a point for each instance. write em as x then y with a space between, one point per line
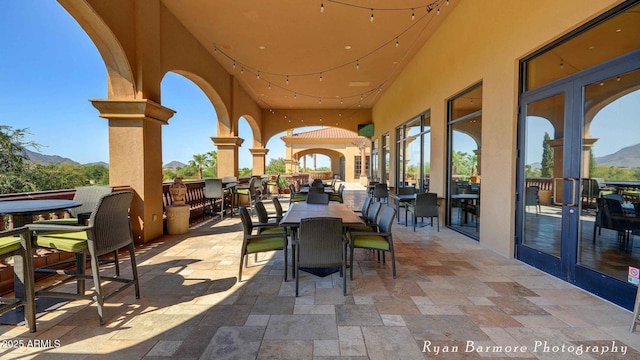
326 133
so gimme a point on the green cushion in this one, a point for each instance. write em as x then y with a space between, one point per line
274 230
9 244
371 242
265 244
410 207
335 198
68 221
70 242
360 228
297 198
242 191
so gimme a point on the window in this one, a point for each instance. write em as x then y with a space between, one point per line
375 161
357 163
465 144
413 153
386 151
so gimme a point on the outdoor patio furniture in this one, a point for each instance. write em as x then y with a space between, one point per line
264 226
381 192
108 229
88 196
317 198
425 205
17 243
338 195
321 244
295 196
405 190
213 190
370 220
249 191
531 198
381 240
255 243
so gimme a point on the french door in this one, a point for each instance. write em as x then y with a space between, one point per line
567 138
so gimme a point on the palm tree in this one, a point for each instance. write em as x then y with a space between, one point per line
212 161
199 161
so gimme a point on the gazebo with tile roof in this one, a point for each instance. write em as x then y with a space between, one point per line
344 148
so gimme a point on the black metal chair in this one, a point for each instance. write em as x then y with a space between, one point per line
380 192
531 198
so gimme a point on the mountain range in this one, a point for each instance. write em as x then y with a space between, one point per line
626 157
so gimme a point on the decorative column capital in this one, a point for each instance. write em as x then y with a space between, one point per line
132 110
227 141
259 151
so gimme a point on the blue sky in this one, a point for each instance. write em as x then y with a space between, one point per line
49 68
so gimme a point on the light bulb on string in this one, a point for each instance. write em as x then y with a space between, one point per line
242 70
258 75
321 77
438 12
413 15
319 100
269 86
321 6
295 95
357 64
371 18
341 101
287 79
234 64
397 42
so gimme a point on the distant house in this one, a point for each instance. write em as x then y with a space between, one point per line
344 148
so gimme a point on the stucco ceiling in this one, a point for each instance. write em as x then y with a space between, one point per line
333 59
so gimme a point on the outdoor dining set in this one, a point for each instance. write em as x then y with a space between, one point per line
99 226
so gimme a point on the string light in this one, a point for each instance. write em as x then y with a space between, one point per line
287 79
258 75
269 85
397 42
371 19
413 15
357 64
321 6
320 77
242 70
234 64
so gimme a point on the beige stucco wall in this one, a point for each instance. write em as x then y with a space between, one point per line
480 41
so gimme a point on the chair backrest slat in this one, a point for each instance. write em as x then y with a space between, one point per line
89 196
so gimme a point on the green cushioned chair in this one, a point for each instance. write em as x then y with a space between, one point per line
108 230
371 221
250 192
17 243
255 243
380 240
338 195
296 197
88 196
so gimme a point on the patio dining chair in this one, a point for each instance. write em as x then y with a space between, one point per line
380 240
108 229
321 244
255 243
295 196
424 206
338 196
213 190
371 219
264 226
317 198
250 192
381 192
17 243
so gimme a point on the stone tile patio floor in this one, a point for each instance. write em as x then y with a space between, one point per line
452 299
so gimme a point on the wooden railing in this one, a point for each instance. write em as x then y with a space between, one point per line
541 183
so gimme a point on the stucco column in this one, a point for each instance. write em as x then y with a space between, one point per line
227 154
259 160
292 166
135 158
558 149
587 144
